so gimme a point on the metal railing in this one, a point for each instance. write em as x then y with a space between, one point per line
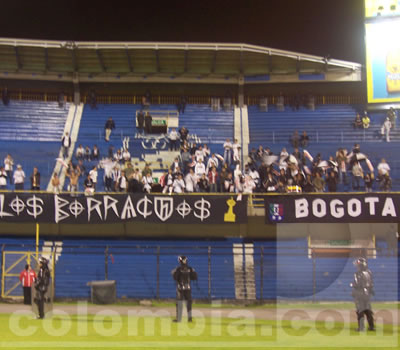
319 99
28 95
239 272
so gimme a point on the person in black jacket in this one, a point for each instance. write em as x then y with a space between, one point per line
41 285
140 120
363 289
110 125
35 180
148 120
183 275
332 182
65 144
5 97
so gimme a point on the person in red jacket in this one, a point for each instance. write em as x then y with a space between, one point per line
27 277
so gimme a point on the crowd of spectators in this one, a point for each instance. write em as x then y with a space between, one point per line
16 178
197 168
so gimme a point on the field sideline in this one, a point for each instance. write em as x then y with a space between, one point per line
129 326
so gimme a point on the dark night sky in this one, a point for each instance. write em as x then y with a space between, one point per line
320 27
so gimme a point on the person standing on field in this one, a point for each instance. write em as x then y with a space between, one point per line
183 275
27 278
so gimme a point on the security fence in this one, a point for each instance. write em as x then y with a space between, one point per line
250 272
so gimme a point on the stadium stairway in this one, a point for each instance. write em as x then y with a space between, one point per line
31 132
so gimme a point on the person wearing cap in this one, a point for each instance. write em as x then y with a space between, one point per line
27 277
363 289
183 275
19 178
42 284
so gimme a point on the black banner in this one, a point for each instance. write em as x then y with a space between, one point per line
112 208
330 208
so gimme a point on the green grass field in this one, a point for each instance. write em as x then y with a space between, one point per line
110 330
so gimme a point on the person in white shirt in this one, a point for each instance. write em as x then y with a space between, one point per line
122 184
282 158
173 140
179 184
199 154
190 181
19 178
137 175
383 167
3 178
80 152
228 151
236 151
126 155
192 163
107 164
239 184
255 176
385 130
237 173
147 182
118 156
168 182
206 151
200 168
212 162
249 184
8 167
93 175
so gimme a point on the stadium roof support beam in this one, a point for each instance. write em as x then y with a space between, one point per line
101 61
269 64
241 68
157 60
46 59
186 58
128 57
18 57
74 60
298 65
214 62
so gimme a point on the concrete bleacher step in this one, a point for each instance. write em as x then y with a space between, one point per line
31 132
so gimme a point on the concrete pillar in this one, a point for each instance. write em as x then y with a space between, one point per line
241 92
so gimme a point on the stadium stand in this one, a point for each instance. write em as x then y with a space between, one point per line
31 132
278 126
329 127
204 125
